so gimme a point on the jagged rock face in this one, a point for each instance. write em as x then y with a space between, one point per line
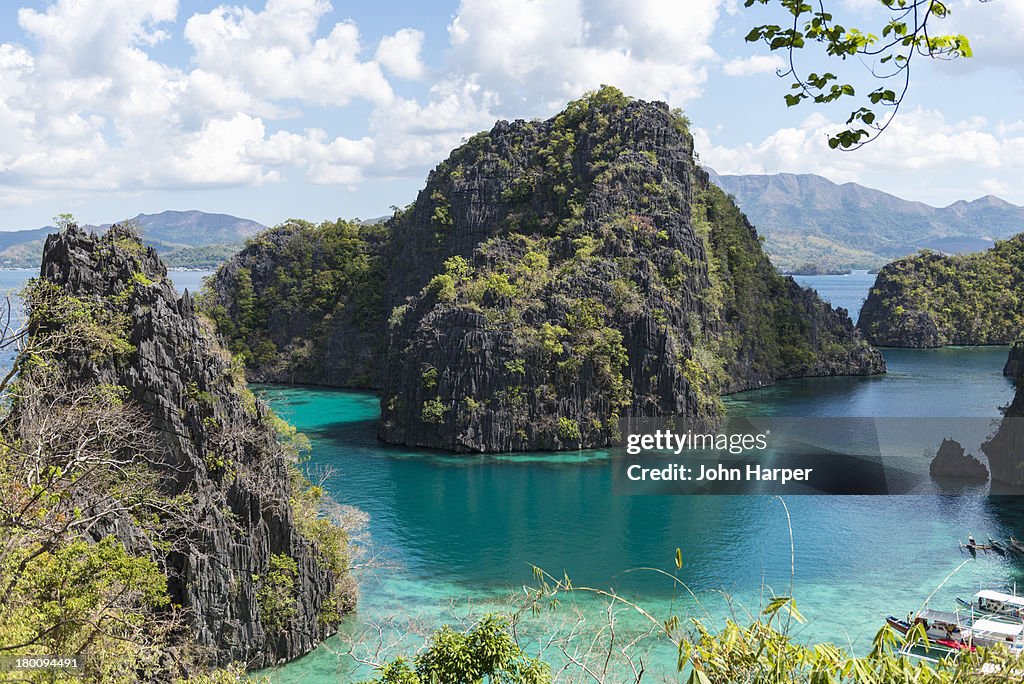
304 304
933 300
1014 366
953 462
551 278
889 318
217 446
1005 449
598 276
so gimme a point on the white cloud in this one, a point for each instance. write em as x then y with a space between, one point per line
88 108
215 155
86 105
282 89
995 29
749 66
275 54
922 155
400 54
337 161
412 135
539 54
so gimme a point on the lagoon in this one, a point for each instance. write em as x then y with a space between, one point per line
458 533
461 532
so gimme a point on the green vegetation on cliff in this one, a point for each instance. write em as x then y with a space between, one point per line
932 300
133 463
552 277
585 271
278 301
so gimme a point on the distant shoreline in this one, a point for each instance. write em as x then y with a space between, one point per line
169 270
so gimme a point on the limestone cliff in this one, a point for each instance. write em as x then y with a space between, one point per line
1005 449
933 300
217 455
596 275
951 461
554 276
304 303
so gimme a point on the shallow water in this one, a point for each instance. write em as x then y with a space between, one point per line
469 528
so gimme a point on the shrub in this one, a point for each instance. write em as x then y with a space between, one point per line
568 430
277 593
434 411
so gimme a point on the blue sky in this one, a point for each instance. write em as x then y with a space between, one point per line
270 109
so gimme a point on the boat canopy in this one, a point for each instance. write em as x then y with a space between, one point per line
1009 599
942 616
995 627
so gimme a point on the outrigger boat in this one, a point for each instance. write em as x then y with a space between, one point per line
1011 549
1017 545
941 626
989 632
997 546
957 633
995 603
974 546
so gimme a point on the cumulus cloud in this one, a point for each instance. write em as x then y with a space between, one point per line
85 106
337 161
216 154
275 53
921 151
400 53
996 31
536 55
412 135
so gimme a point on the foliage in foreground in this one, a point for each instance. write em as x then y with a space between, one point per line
765 653
764 650
487 651
760 652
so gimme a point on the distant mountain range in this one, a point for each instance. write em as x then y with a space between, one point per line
809 221
185 239
809 224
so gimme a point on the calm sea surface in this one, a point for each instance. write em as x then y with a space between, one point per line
457 534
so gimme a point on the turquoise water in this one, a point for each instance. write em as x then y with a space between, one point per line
462 532
456 535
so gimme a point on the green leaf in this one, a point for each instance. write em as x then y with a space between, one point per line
698 677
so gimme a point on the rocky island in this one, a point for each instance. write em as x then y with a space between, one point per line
552 277
161 472
1005 449
951 461
934 300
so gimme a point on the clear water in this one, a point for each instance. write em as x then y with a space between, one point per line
459 533
467 529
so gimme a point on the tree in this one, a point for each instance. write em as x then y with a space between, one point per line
906 33
487 652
